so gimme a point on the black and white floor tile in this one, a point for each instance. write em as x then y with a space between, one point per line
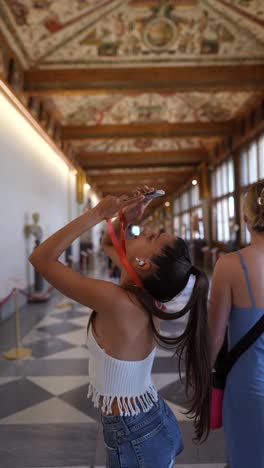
46 420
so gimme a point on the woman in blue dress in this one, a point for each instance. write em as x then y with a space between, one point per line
237 301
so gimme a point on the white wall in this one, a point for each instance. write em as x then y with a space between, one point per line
33 177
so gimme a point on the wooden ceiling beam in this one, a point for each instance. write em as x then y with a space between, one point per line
98 166
151 181
141 79
138 177
179 160
120 189
183 157
147 130
139 171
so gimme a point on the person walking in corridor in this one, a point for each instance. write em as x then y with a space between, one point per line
139 427
237 301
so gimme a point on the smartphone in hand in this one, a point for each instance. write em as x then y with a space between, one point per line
154 194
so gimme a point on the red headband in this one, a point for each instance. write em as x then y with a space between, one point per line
121 251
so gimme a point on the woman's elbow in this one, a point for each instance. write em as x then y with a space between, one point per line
35 260
215 348
31 259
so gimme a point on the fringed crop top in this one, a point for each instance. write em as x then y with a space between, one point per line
128 381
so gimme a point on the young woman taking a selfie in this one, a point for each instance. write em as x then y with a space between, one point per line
139 428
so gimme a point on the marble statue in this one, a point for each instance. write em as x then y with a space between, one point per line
36 230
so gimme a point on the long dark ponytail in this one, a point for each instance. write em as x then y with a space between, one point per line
172 274
174 268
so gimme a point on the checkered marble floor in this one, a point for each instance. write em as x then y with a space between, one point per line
46 420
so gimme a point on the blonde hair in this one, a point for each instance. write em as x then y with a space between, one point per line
254 206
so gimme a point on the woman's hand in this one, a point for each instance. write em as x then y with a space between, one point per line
109 206
134 212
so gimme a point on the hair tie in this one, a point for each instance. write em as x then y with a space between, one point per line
160 305
260 199
194 270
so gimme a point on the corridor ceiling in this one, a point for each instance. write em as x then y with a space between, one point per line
143 89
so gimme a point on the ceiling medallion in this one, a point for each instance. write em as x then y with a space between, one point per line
160 30
160 33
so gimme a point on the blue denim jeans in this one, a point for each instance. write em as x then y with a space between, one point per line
148 440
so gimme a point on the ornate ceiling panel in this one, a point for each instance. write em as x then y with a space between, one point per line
83 33
138 145
151 107
250 9
182 35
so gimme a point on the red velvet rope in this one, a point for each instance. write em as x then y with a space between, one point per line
29 296
5 300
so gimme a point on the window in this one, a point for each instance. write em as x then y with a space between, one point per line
186 226
218 182
195 201
185 201
188 215
197 223
251 170
252 163
177 226
225 219
176 206
219 217
224 188
223 202
231 207
231 176
245 234
261 157
244 168
223 179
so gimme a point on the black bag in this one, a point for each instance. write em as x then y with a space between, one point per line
226 359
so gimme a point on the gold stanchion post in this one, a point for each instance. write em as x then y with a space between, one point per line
18 352
84 262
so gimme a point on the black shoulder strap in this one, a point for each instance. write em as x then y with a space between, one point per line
252 335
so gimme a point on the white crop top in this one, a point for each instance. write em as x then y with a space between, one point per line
110 377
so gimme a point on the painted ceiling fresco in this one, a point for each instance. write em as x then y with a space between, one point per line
249 8
123 145
149 107
83 33
137 33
